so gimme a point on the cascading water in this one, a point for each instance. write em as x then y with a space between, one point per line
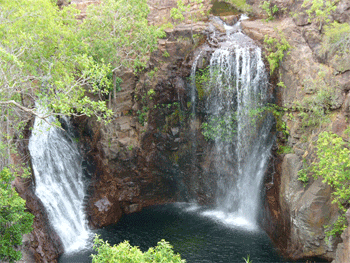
240 128
59 182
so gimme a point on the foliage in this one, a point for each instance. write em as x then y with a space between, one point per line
320 10
151 93
303 174
247 259
153 72
269 10
276 49
182 9
14 221
202 81
125 253
336 39
118 33
166 54
222 127
142 115
284 149
240 5
278 113
333 166
41 59
314 108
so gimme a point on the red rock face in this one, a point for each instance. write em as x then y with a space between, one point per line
44 243
277 223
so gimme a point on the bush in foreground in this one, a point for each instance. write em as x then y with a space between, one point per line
125 253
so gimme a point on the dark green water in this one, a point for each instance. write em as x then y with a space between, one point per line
197 238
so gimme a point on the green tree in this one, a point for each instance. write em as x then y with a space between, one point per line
336 39
276 49
333 166
319 10
125 253
183 10
117 32
41 59
14 221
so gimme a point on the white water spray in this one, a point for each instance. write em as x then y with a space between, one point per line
235 105
59 183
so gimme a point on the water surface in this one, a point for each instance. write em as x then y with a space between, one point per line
198 237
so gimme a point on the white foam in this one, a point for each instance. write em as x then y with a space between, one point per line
243 17
230 219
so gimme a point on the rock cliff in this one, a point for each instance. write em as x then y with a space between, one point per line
145 155
302 212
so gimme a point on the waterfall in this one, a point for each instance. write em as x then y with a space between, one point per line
59 181
240 128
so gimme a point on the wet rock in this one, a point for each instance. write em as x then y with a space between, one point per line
105 209
230 20
218 24
103 204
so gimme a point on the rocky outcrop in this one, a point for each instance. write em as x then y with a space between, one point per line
132 155
310 209
343 249
302 212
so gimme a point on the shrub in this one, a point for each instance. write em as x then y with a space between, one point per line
14 221
125 253
269 10
336 39
333 166
320 10
314 108
276 50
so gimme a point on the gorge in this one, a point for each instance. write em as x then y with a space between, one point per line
195 127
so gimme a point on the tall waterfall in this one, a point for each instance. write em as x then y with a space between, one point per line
240 128
59 182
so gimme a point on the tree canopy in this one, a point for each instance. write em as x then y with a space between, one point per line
47 56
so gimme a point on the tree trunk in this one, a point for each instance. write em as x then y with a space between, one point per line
115 87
